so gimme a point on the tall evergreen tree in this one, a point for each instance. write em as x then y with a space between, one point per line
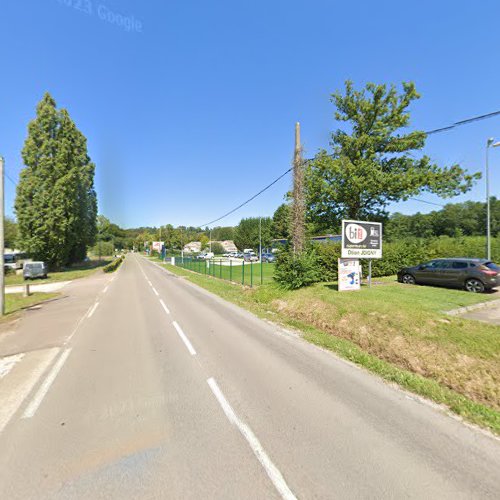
56 204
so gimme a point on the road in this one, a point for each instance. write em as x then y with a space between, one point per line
141 385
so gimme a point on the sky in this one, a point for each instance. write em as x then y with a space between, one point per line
189 107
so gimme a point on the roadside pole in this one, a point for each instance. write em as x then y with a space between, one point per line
2 272
370 273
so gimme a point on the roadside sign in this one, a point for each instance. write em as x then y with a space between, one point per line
158 245
361 239
349 275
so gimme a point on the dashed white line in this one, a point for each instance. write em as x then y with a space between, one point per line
272 471
164 306
182 335
92 311
44 388
155 291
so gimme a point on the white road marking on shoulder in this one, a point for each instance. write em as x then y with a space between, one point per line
7 363
154 290
105 289
182 335
92 311
164 306
272 471
44 388
15 389
80 321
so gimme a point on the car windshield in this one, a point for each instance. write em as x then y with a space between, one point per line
492 266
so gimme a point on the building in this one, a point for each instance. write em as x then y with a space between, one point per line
193 247
228 245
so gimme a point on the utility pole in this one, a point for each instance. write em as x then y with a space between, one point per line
260 238
2 245
298 205
490 143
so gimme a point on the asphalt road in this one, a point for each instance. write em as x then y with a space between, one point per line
141 385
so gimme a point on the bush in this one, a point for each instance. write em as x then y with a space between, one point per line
103 248
296 271
113 266
217 248
407 252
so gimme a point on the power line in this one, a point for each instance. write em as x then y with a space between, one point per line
430 132
247 201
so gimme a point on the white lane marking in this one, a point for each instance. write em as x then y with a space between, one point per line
13 393
78 325
92 311
154 290
44 388
105 290
182 335
272 471
164 306
7 363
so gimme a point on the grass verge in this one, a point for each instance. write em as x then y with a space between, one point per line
71 273
397 332
15 301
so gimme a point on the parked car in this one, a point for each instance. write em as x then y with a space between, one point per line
268 257
250 257
34 270
475 275
201 256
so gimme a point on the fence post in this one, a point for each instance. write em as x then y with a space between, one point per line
220 268
261 273
230 269
243 273
251 274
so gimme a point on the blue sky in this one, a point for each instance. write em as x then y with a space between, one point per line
193 109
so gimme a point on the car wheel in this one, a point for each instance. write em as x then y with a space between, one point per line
474 286
408 279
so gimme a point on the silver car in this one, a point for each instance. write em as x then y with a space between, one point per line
33 270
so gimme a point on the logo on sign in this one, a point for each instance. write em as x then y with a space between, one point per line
355 233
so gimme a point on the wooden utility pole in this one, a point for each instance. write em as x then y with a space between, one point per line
298 203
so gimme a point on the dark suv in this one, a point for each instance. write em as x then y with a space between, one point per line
475 275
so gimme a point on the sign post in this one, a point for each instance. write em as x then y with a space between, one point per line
361 240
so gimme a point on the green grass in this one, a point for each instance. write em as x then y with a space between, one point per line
247 274
15 301
398 332
72 273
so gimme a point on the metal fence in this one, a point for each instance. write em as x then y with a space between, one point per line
236 271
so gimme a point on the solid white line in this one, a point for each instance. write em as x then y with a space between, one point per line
164 306
6 364
44 388
13 399
105 290
92 311
182 335
154 290
272 471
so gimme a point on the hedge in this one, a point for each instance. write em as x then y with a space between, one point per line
113 266
408 252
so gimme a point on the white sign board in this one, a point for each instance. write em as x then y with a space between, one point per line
158 245
349 275
361 239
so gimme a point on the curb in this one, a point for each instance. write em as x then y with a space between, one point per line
481 305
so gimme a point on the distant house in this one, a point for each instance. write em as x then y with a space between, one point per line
228 245
193 247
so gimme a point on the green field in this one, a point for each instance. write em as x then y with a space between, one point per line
399 332
249 273
71 273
